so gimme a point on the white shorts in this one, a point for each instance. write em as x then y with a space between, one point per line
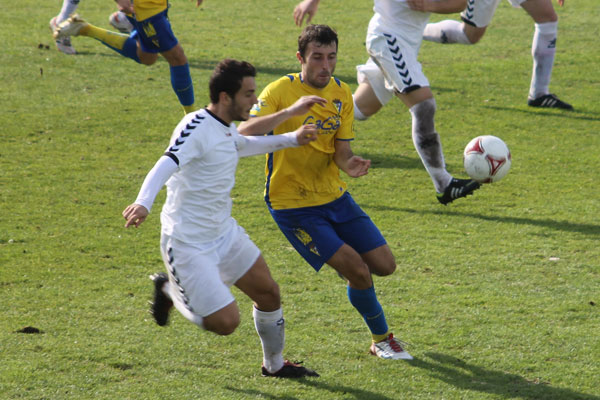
371 73
200 275
479 13
395 52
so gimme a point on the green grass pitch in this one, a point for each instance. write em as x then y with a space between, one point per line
498 294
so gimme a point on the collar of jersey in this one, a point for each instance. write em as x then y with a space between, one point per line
215 117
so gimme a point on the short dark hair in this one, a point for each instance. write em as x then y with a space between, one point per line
228 76
321 34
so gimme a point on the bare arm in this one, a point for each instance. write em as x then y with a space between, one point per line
263 125
351 164
306 8
438 6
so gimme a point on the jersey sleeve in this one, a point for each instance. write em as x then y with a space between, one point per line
346 130
187 141
269 101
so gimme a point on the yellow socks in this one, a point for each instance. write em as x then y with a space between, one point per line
112 39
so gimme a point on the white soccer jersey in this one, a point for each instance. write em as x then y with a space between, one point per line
198 169
198 205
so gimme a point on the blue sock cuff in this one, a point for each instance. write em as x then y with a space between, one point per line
129 49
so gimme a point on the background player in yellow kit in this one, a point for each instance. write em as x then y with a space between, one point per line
152 36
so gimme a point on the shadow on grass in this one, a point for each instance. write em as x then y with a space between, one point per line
257 394
339 390
466 376
209 65
577 114
586 229
392 161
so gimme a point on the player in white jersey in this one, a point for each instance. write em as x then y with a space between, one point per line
204 249
476 18
394 37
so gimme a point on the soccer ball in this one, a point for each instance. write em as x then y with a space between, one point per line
487 159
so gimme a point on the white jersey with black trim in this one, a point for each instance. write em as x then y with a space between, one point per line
198 204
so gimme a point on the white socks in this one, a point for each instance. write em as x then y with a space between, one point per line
68 8
447 31
543 49
358 115
428 144
270 327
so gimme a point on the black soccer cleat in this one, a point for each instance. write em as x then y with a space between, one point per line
549 101
161 305
290 370
456 189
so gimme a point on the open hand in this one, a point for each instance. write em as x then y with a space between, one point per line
357 166
306 8
303 105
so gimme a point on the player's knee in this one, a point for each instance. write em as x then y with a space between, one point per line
225 325
360 277
147 58
473 34
386 268
270 298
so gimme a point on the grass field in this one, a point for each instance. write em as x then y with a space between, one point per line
498 294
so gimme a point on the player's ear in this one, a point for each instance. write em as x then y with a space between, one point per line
224 98
299 57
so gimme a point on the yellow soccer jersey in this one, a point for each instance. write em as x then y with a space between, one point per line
307 175
145 9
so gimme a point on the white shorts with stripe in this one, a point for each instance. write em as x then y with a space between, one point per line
479 13
201 274
394 52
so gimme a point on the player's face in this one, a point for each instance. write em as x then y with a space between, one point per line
318 64
244 100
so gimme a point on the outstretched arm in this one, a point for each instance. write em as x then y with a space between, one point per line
438 6
137 212
306 8
265 124
351 164
254 145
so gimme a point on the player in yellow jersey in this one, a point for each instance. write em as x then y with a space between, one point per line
152 36
304 192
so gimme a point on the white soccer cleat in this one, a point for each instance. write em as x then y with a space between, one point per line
69 27
119 20
62 44
390 349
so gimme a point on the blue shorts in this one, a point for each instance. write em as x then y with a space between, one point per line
155 34
318 232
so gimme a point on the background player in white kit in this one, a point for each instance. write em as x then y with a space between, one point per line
204 249
478 15
394 36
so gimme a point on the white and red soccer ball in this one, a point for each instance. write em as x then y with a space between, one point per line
486 159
